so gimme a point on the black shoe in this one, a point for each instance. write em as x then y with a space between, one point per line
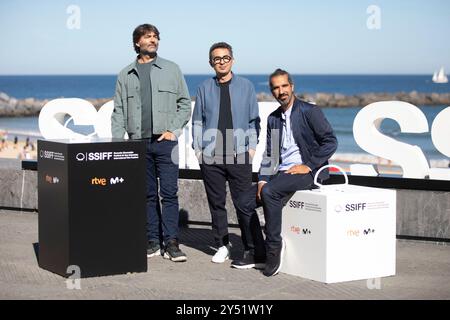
274 260
249 261
173 252
153 248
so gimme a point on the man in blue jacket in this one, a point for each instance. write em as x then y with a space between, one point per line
225 134
300 141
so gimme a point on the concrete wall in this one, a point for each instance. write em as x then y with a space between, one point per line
18 188
423 213
419 213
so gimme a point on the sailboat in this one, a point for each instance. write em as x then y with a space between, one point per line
440 77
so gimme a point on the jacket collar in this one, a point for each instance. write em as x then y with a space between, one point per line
133 66
231 81
294 109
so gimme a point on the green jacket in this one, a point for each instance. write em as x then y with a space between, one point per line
171 103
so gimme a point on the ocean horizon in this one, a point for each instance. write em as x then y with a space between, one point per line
103 86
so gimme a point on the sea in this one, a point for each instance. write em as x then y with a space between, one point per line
341 119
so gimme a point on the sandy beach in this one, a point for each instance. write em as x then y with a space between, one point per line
18 151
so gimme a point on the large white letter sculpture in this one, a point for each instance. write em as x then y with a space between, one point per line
51 118
410 119
440 132
365 131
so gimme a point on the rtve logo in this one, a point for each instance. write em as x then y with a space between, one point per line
98 181
51 180
353 233
296 204
299 230
94 156
357 233
104 181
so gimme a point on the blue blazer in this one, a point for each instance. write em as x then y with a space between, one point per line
312 133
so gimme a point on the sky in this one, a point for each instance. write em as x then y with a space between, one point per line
303 37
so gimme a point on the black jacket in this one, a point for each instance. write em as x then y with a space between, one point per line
312 132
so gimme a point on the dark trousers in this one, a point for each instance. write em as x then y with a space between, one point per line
239 177
162 225
273 197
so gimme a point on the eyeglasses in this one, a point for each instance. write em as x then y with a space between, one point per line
217 60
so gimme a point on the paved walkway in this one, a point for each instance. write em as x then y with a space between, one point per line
423 272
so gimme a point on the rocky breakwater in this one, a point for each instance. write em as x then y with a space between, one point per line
12 107
336 100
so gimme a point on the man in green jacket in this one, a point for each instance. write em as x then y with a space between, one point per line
152 102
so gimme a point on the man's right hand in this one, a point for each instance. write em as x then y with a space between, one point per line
260 186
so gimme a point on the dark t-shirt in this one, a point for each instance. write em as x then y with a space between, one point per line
144 70
225 122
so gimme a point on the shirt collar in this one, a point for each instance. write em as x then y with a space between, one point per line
287 114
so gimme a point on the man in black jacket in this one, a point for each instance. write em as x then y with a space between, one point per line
300 141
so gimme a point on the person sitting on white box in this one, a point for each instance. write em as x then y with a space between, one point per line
300 140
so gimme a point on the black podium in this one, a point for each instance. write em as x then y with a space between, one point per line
92 213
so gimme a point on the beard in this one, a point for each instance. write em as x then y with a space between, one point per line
284 100
146 52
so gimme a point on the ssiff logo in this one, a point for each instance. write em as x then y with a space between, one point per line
296 204
94 156
80 156
298 230
355 206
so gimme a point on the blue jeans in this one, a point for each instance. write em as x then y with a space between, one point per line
162 225
273 196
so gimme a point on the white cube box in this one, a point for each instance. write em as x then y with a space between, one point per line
340 233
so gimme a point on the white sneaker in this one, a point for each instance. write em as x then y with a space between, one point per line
222 254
